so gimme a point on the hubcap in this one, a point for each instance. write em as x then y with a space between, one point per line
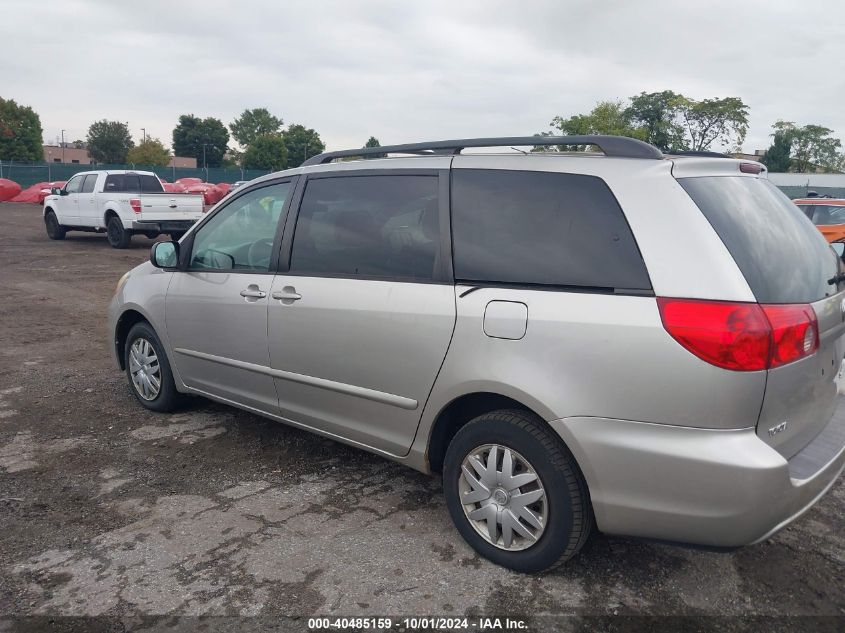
503 497
144 369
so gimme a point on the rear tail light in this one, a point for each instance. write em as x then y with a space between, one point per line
795 332
741 336
135 203
750 168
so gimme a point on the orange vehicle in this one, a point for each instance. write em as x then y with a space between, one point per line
828 214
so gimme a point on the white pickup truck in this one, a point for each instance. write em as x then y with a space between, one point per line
121 203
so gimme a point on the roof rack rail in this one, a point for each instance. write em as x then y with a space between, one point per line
616 146
703 154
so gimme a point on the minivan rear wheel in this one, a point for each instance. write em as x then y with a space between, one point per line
515 493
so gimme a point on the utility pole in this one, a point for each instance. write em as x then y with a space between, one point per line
144 135
63 147
204 164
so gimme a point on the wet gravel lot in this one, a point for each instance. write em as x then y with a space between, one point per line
109 509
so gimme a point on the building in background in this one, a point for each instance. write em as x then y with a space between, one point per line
79 156
757 155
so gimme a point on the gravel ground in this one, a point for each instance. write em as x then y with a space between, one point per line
109 509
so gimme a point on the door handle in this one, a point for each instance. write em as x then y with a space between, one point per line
287 294
253 292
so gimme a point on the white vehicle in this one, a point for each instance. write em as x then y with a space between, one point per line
121 204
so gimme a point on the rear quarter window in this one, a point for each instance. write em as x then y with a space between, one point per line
150 184
542 228
782 255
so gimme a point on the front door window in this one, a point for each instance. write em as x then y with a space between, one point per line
241 235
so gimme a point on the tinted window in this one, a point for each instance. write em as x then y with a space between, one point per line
825 214
380 226
133 183
240 236
114 184
88 185
150 184
784 258
74 184
526 227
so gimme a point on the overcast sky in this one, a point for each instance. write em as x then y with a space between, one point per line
414 70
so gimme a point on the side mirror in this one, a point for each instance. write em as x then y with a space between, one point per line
164 254
56 191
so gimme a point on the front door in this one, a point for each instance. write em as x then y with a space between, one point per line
216 311
360 323
68 204
89 211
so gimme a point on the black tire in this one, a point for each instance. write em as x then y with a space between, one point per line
569 514
118 236
55 231
151 236
168 398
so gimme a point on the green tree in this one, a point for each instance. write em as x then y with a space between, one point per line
20 133
149 152
723 121
811 146
193 135
374 142
267 151
79 144
109 141
607 117
302 143
657 114
252 124
777 157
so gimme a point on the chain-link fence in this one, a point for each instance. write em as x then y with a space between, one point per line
801 191
29 174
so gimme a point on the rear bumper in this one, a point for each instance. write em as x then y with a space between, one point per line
163 226
699 486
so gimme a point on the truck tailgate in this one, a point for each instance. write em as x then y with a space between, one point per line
157 207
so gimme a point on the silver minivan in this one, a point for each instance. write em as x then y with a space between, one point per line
621 340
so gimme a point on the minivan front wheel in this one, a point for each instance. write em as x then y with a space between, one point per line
148 370
515 492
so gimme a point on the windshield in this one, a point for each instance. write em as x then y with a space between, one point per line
824 214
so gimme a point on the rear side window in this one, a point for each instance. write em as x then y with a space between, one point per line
783 257
371 226
525 227
114 184
88 184
133 183
150 184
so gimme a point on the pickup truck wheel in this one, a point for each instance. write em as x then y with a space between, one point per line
55 231
148 370
515 493
117 235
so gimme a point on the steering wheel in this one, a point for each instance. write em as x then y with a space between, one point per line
259 253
